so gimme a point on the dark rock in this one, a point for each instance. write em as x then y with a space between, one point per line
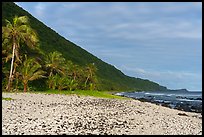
182 114
30 119
198 99
43 126
143 100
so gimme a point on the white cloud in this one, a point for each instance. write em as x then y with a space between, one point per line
127 21
155 30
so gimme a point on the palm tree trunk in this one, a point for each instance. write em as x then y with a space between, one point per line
16 85
75 75
86 81
11 70
25 87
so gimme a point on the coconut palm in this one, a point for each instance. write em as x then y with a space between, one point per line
30 70
90 71
71 70
17 32
54 62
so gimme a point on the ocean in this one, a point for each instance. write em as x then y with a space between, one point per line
182 100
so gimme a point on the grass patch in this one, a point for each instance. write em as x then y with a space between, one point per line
99 94
7 99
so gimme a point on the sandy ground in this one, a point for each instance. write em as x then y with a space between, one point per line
47 114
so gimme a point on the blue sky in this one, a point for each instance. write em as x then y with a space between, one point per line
158 41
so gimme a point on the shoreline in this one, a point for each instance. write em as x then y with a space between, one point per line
170 103
53 114
162 104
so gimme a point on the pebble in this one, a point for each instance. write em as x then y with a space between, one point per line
47 114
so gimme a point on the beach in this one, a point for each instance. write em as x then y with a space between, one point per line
54 114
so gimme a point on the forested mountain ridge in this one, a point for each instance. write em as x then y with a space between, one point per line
108 76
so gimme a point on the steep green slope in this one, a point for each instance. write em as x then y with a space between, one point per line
109 77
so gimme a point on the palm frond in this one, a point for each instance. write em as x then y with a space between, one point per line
21 20
8 57
37 75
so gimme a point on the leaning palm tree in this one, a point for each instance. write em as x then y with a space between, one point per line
17 32
30 70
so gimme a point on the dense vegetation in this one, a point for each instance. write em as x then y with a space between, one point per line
76 67
59 72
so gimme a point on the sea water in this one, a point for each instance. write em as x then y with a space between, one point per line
182 100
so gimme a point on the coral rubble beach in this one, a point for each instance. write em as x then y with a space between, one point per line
53 114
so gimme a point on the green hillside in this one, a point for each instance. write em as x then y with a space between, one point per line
109 77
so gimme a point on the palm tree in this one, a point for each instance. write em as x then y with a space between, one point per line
54 61
16 32
30 71
71 69
90 73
